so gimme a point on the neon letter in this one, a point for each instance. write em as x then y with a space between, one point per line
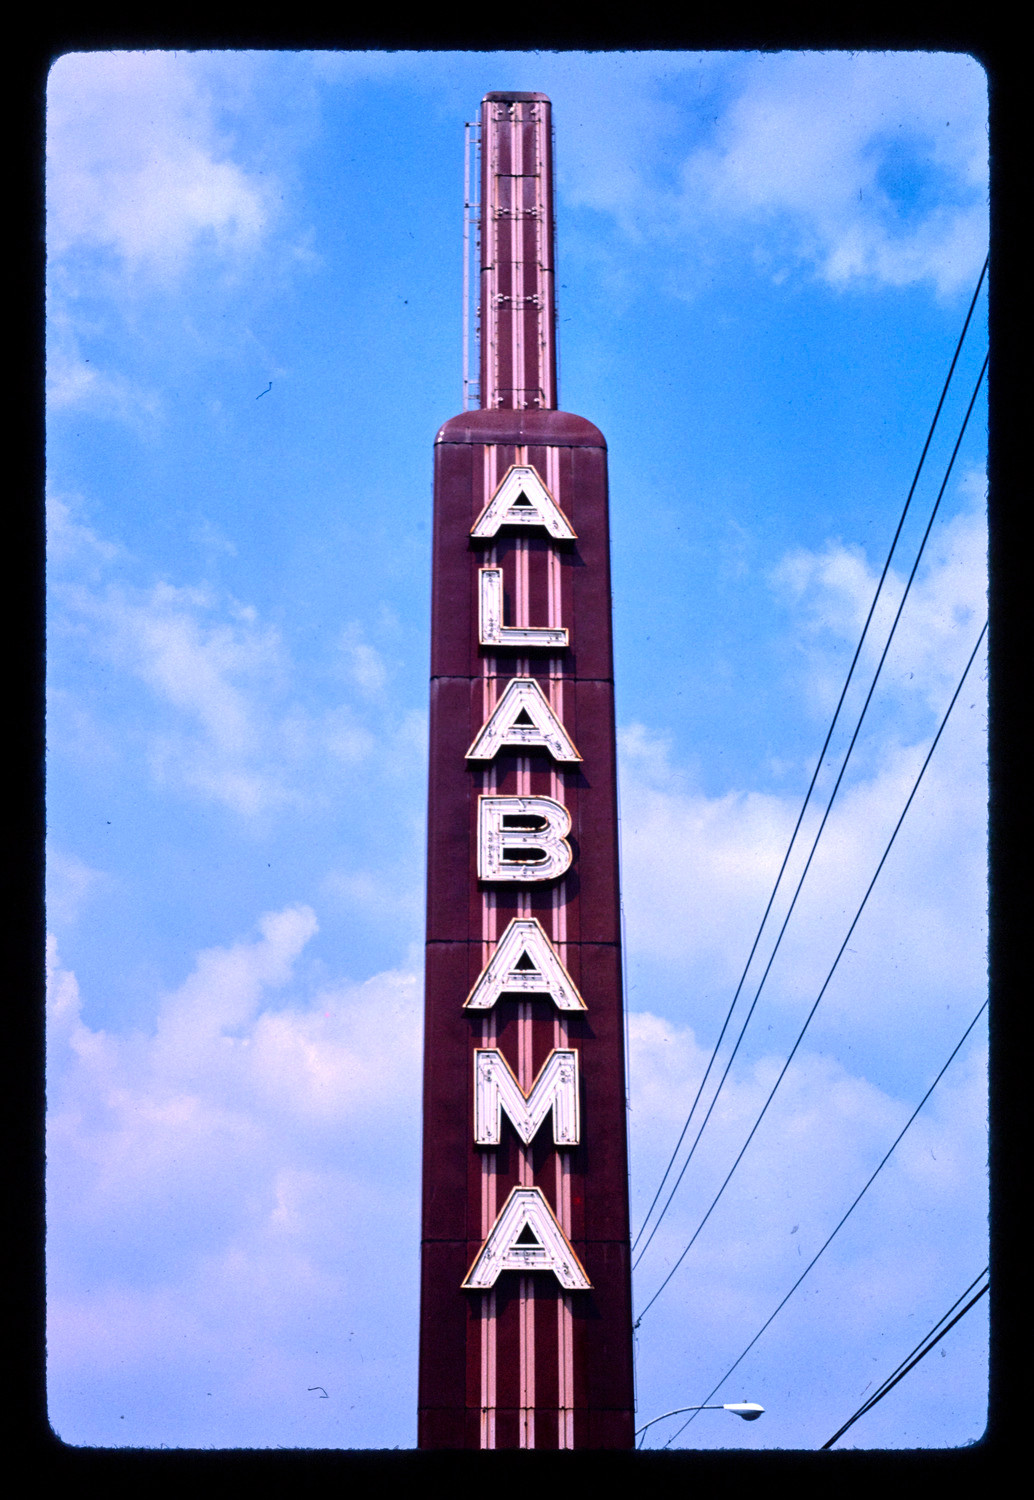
522 838
524 939
523 500
524 701
555 1089
492 631
549 1250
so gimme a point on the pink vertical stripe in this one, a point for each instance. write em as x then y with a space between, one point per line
488 1369
526 1435
489 1209
517 313
565 1317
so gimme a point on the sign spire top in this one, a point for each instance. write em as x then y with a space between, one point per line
518 282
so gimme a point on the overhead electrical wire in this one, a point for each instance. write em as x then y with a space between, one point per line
844 1218
929 1340
840 953
822 752
818 835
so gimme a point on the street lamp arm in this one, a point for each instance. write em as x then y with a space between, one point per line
748 1410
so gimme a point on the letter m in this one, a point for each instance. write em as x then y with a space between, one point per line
496 1089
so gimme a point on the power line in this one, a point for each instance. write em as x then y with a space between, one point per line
831 1237
912 1359
822 752
818 835
826 982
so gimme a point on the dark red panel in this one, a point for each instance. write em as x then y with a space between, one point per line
450 797
453 600
443 1427
443 1358
557 428
448 1085
604 1319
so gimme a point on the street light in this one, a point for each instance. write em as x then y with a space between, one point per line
748 1410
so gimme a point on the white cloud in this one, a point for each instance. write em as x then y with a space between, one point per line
696 874
73 380
71 542
847 148
698 869
217 1186
136 163
70 884
216 672
227 716
394 897
694 869
364 665
832 590
869 167
232 1213
914 1241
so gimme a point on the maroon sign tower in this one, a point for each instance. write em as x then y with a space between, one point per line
526 1328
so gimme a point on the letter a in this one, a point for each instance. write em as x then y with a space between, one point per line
522 838
523 500
546 1247
523 699
505 973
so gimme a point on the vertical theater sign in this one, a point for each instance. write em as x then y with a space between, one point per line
526 1322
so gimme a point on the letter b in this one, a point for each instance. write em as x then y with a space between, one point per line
522 838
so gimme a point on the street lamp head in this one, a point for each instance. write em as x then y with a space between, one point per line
748 1410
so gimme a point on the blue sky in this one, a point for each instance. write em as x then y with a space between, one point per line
764 262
